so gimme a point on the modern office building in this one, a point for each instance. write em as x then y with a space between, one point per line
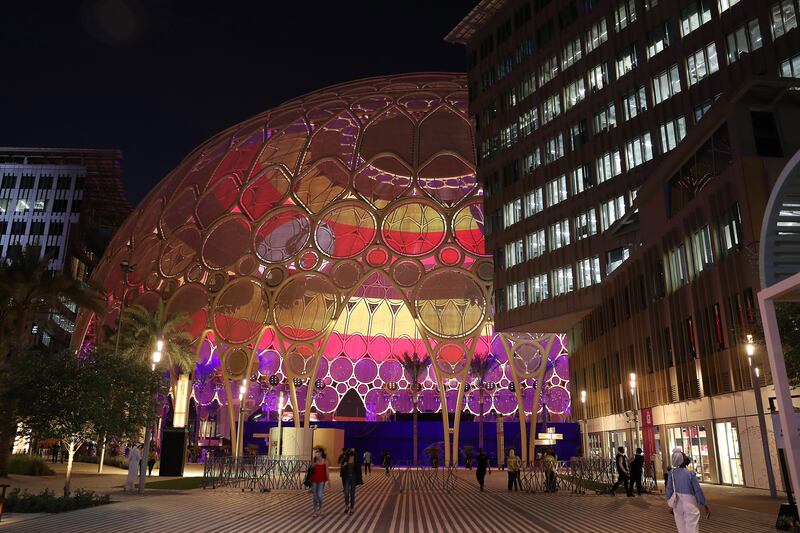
67 203
627 149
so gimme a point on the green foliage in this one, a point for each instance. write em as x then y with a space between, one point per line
481 365
433 451
28 465
109 460
47 502
414 365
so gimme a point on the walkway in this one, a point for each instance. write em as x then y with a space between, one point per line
379 509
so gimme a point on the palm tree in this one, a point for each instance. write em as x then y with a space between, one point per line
29 291
479 368
415 367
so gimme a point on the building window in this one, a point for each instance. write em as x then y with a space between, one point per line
539 292
23 205
731 229
529 122
626 60
588 271
18 227
597 35
40 206
37 228
512 212
624 14
571 53
45 183
672 133
678 267
701 249
554 148
598 77
56 228
577 134
605 119
615 258
63 183
4 206
574 93
633 103
556 190
516 295
9 182
746 38
27 182
59 206
608 165
666 85
508 136
724 5
548 70
612 211
702 64
559 234
791 67
585 224
515 253
562 280
694 16
784 17
638 150
551 108
532 160
581 179
536 244
658 39
703 107
534 202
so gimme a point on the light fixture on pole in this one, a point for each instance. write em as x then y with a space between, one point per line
750 349
585 425
148 434
280 424
632 384
239 428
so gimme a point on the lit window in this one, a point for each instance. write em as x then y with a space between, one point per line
3 206
574 93
694 16
562 280
532 160
515 253
598 77
536 244
516 295
746 38
571 53
624 14
605 119
608 165
559 234
529 122
538 288
678 267
581 179
633 103
554 148
638 150
724 5
612 211
588 271
548 70
577 134
597 35
556 191
534 202
551 108
658 39
701 248
512 212
666 85
615 257
791 67
702 63
784 17
585 224
23 205
626 60
672 133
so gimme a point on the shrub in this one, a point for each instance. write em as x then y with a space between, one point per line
117 460
28 465
47 502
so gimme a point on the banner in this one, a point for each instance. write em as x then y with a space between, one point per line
648 434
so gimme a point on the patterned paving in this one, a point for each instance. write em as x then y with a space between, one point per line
380 509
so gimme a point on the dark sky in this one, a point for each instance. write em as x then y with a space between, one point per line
155 78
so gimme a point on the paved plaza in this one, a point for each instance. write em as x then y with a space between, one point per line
380 508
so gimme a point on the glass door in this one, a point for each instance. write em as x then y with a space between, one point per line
730 458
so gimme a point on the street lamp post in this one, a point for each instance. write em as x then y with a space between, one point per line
635 396
585 425
239 428
762 424
280 424
148 434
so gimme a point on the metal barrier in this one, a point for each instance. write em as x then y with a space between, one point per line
423 478
256 472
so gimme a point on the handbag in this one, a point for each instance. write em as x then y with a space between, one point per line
673 500
307 480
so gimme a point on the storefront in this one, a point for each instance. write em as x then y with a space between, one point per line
729 453
697 443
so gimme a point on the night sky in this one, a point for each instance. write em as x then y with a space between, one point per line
155 78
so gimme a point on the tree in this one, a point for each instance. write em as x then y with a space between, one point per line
788 315
29 290
415 367
479 368
65 395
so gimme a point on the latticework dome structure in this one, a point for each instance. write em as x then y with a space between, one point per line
319 241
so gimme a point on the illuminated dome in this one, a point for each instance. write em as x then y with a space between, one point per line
320 240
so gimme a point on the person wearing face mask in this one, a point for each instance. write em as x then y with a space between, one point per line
683 483
318 478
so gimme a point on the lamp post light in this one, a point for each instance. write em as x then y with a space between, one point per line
239 428
750 349
280 424
585 425
148 434
635 396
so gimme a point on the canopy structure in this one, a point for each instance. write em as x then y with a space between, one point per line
316 243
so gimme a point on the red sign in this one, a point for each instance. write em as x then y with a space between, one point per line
648 435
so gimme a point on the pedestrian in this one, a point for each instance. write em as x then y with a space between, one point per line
151 462
549 462
622 472
351 477
54 453
387 461
689 496
637 468
367 462
482 465
134 463
319 476
342 458
514 464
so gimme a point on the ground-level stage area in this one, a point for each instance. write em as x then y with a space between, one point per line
379 508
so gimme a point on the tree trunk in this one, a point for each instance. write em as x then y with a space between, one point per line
416 436
71 449
8 431
480 418
145 455
102 454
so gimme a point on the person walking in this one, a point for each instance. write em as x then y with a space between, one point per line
622 472
637 468
134 463
387 461
151 462
319 476
482 465
514 464
351 477
367 462
549 462
689 496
